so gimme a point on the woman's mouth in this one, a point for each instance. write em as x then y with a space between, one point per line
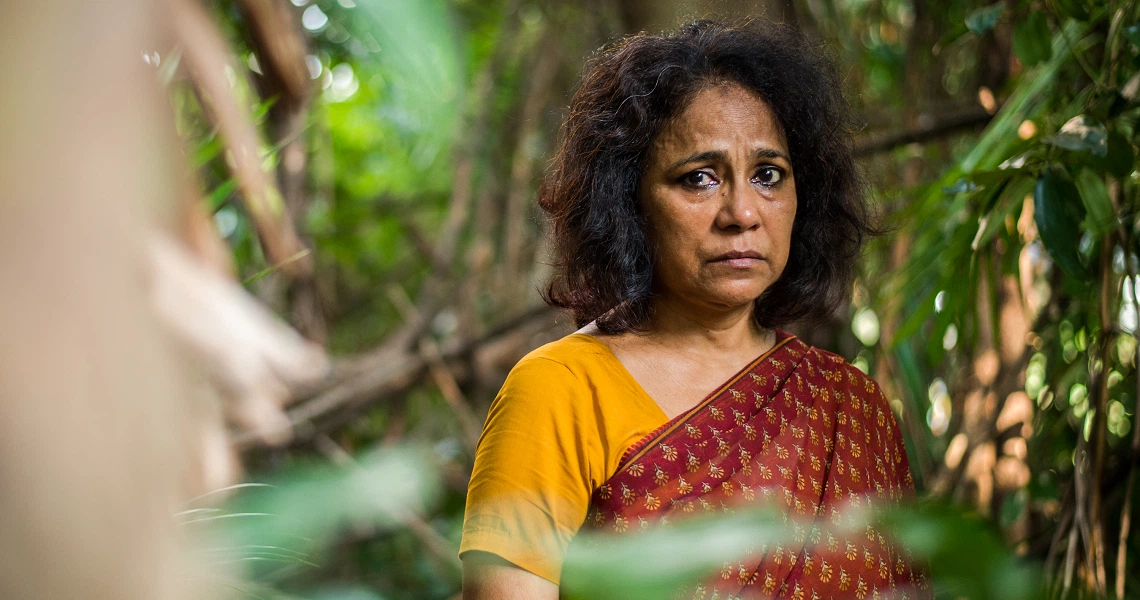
739 259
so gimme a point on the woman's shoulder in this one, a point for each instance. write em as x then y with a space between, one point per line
843 371
576 354
561 369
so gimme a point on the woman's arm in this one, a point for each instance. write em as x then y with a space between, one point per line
488 577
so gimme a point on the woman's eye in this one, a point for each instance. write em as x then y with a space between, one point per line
698 179
769 175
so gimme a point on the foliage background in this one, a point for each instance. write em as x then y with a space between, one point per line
1000 313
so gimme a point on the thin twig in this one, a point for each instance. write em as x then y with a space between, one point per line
1126 521
1058 535
941 126
1126 510
439 370
275 267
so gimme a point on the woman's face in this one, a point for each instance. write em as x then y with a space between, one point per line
719 181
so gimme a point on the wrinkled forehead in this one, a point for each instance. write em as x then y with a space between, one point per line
724 117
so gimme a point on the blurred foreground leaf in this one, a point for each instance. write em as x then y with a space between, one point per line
1101 216
965 553
1079 134
1058 211
654 564
984 19
282 524
1032 39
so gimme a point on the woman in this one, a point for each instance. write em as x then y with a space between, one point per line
704 194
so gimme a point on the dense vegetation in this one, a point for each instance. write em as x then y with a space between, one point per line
1000 313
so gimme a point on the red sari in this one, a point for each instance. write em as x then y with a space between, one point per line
798 426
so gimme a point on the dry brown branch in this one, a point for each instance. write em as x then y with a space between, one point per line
444 378
419 240
1125 525
387 373
930 127
1058 534
449 387
1070 558
279 42
280 46
1080 529
210 63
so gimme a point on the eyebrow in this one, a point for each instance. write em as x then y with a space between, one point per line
721 155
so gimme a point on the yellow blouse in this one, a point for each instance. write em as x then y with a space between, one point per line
555 432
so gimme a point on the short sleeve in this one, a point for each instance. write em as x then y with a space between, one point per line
535 467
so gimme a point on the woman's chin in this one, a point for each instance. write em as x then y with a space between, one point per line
733 297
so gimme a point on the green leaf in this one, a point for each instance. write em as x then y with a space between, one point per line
1121 159
220 194
962 185
1101 217
1013 507
1108 107
954 34
1081 134
1058 211
1132 32
1000 137
983 19
207 149
995 177
1073 8
1032 41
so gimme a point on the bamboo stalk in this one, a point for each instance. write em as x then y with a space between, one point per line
1099 431
208 59
1126 509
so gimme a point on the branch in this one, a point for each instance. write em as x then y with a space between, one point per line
279 42
443 376
208 57
386 374
934 127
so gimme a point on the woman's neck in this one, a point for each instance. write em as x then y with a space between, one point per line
678 324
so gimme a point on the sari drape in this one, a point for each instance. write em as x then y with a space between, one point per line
798 426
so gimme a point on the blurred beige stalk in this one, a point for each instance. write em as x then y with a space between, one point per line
91 400
252 358
105 426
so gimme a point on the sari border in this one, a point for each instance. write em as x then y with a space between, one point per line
642 446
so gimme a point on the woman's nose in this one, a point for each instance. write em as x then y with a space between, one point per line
739 208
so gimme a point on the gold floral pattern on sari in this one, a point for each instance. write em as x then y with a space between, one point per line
801 427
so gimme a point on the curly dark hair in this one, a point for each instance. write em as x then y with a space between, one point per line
628 93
